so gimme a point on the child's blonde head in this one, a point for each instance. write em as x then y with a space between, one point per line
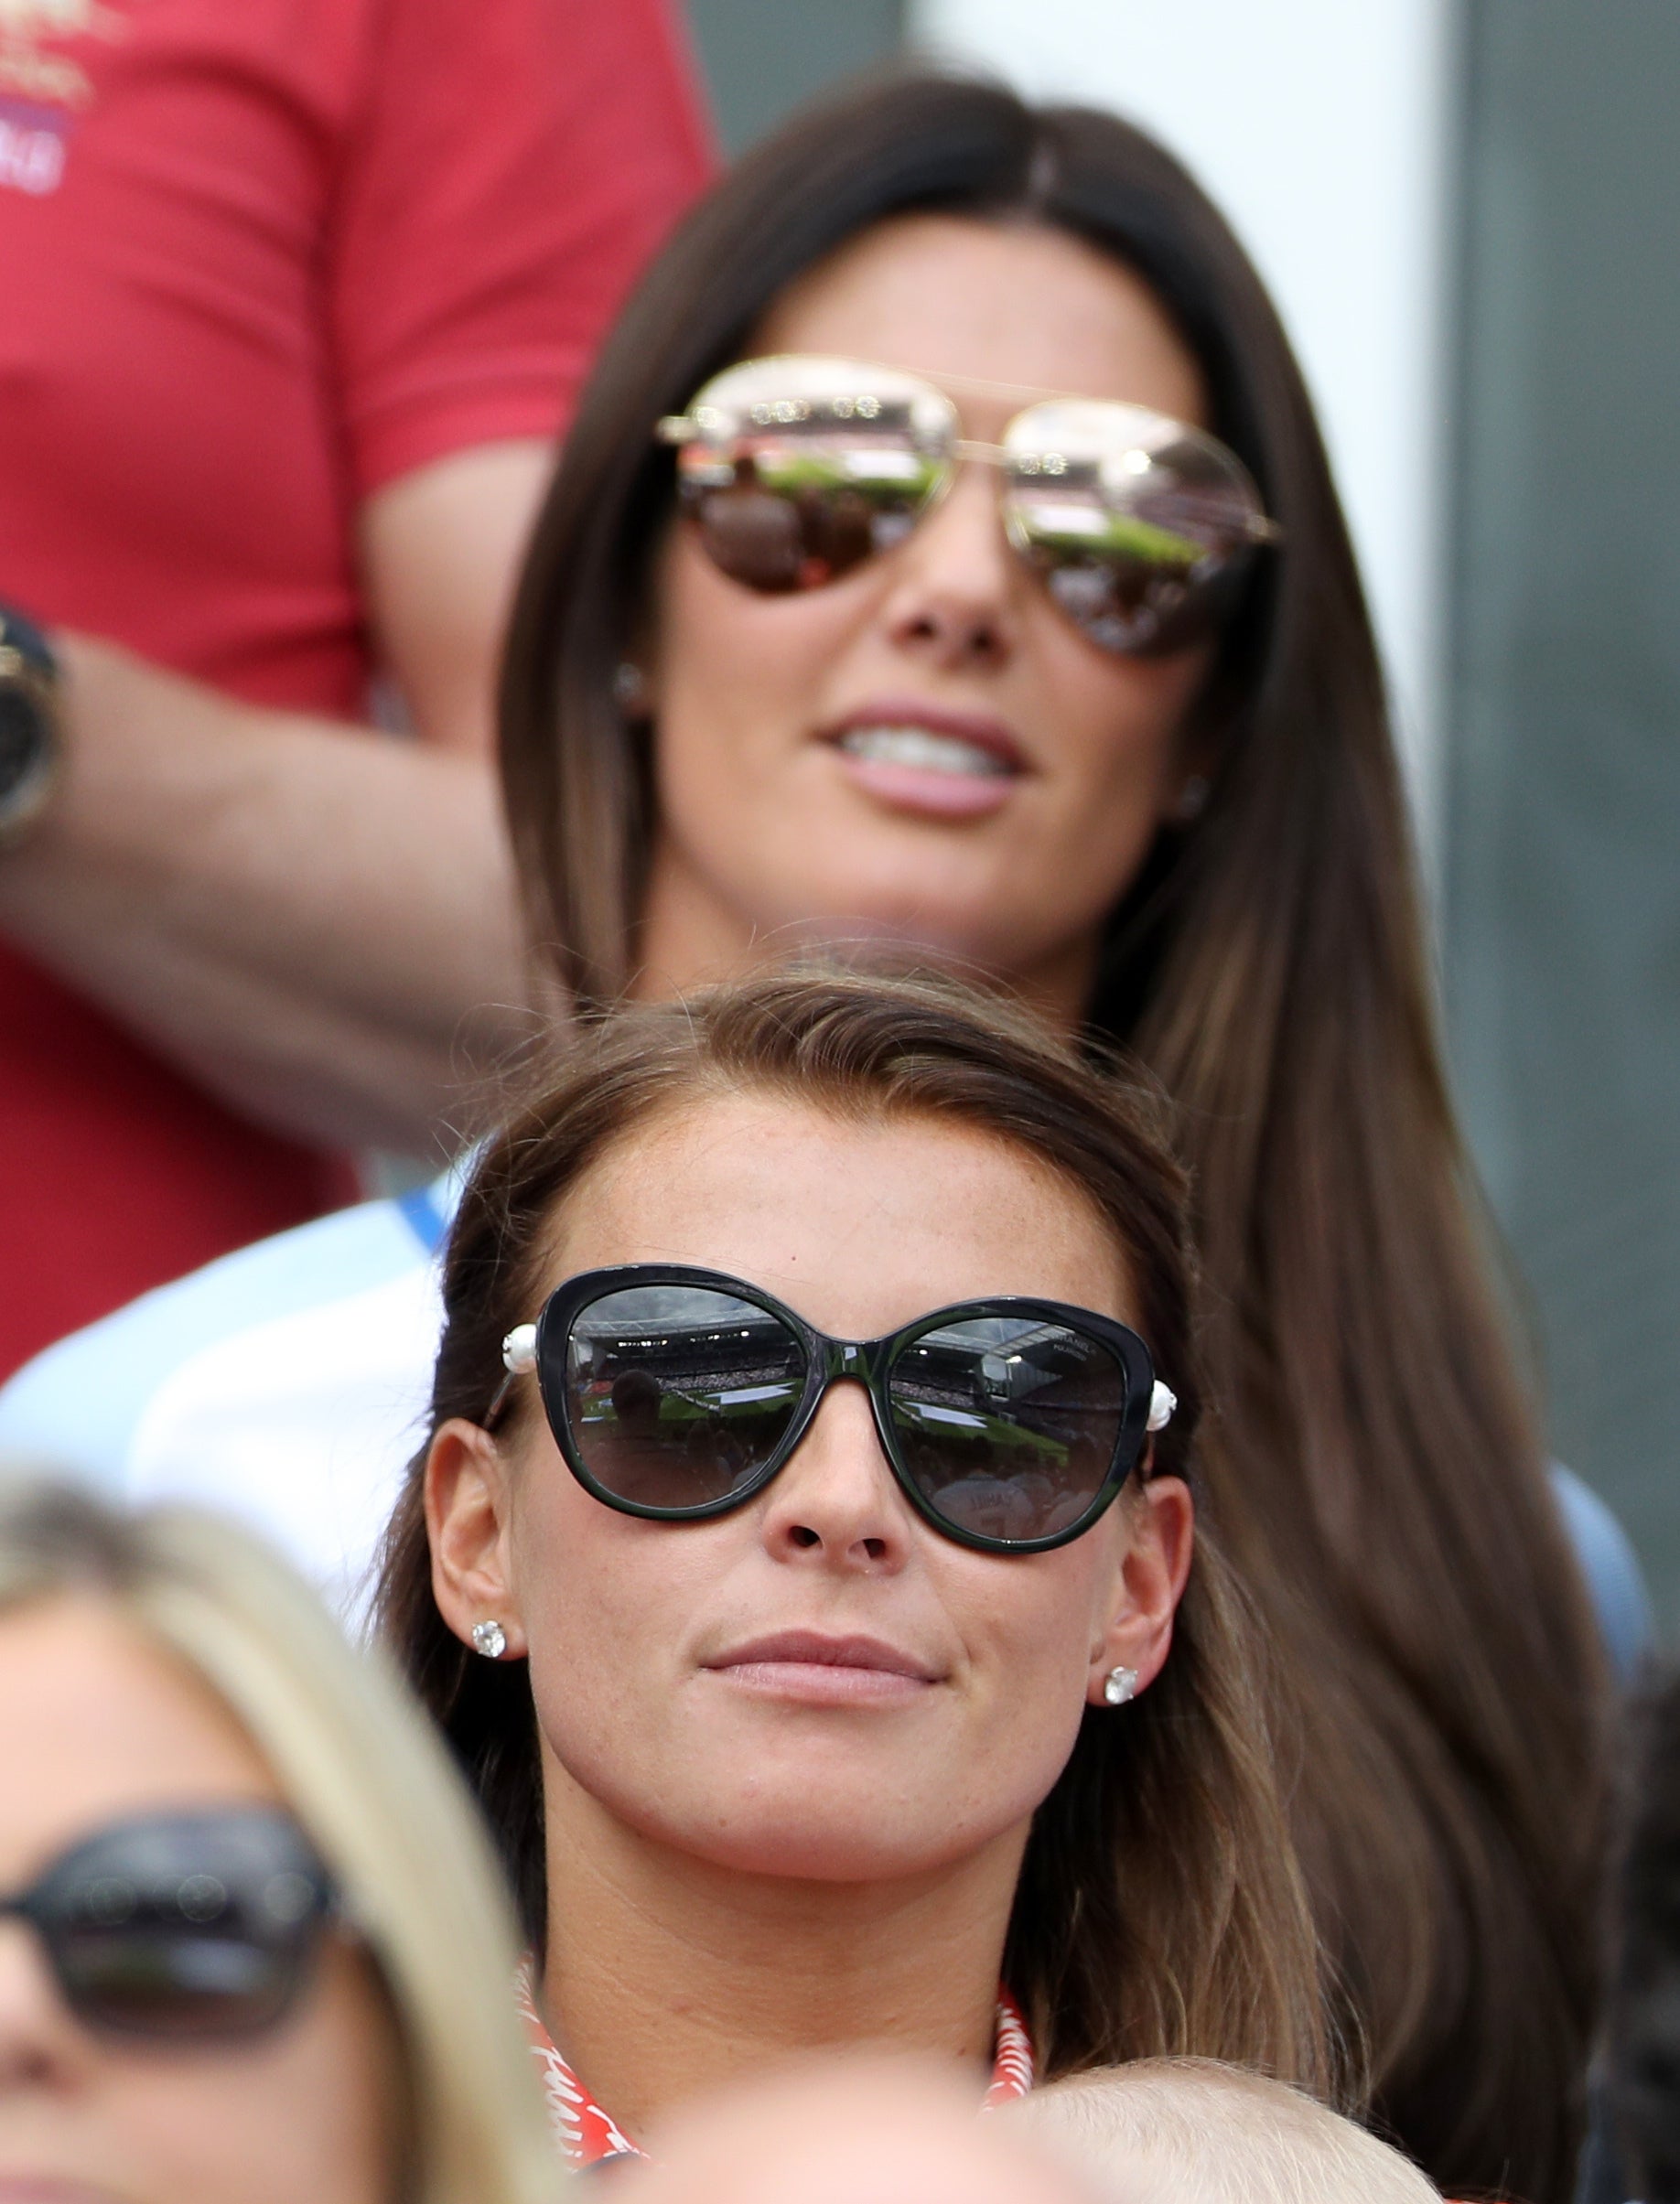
1191 2131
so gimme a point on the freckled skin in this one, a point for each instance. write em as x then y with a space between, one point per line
744 1870
860 1228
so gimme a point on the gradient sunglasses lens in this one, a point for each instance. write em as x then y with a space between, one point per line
1008 1427
677 1397
1138 526
194 1928
797 469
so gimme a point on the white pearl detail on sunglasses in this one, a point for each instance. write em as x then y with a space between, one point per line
519 1349
519 1356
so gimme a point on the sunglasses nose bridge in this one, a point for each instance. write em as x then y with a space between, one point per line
844 1361
864 1363
976 452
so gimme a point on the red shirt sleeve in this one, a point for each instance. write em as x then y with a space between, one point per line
512 167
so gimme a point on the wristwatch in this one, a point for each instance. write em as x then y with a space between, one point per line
31 743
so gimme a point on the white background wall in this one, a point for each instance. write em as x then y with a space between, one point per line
1322 128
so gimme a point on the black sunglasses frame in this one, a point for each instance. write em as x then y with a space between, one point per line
829 1361
65 1899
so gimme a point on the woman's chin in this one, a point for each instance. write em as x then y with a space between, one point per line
811 1832
804 1846
879 925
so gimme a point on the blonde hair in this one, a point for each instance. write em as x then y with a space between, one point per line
1203 2132
366 1779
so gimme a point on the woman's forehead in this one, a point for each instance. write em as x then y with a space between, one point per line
1014 302
860 1222
109 1723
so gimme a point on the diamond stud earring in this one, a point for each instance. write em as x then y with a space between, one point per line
490 1640
1119 1685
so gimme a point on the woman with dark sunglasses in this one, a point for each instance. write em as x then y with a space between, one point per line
802 1566
251 1947
945 550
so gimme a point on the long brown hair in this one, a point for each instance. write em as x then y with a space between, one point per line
1160 1907
1373 1464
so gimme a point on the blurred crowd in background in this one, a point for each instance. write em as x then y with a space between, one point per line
944 588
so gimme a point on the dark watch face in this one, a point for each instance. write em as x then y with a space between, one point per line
23 740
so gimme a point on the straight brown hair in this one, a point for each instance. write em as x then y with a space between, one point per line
1373 1466
1160 1907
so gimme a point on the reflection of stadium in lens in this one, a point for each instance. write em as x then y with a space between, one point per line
1008 1428
797 469
1009 1423
678 1395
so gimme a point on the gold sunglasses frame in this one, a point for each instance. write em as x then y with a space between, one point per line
1159 430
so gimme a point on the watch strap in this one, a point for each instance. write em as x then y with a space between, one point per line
21 634
31 750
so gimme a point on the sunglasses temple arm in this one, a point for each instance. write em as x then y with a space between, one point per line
518 1358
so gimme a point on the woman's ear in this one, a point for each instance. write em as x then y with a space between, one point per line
1198 754
466 1525
636 680
1135 1633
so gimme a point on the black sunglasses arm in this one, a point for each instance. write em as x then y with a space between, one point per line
519 1359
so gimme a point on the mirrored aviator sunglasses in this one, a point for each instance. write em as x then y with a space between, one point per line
185 1928
794 469
677 1395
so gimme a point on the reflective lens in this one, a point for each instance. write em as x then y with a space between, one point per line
680 1393
1006 1427
193 1927
677 1396
800 468
797 468
1130 519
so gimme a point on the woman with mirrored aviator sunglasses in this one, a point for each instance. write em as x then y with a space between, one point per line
251 1947
802 1565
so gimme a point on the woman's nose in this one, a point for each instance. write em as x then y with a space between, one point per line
40 2045
955 598
836 1502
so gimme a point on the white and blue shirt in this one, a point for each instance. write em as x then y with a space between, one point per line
287 1383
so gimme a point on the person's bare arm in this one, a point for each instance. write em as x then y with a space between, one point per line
316 921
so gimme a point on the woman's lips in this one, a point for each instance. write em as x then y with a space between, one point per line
824 1671
916 758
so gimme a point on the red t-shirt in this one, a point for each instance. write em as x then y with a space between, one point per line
258 257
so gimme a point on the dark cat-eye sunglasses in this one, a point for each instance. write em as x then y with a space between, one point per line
1010 1424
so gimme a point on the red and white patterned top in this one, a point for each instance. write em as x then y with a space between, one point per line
587 2132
